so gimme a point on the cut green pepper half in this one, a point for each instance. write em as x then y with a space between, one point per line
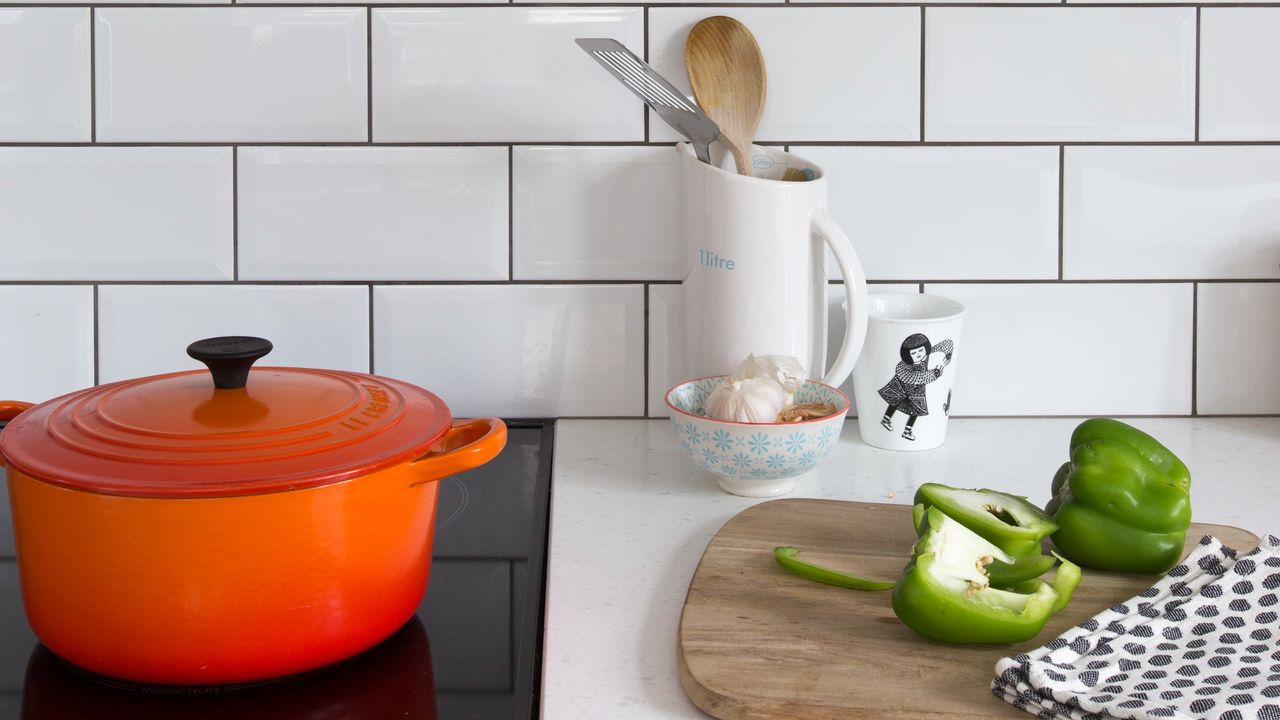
1003 575
1065 582
945 593
786 557
1007 521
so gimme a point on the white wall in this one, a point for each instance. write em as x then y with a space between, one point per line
460 197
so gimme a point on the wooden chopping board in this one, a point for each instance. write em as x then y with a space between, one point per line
758 642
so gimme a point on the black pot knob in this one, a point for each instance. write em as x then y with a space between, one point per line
229 358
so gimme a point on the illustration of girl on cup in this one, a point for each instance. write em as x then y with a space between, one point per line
906 391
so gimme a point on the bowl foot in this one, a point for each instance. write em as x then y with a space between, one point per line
756 488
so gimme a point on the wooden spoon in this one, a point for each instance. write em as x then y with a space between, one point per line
726 70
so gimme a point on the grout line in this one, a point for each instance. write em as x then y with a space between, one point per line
638 281
511 218
1195 327
646 350
626 282
659 143
368 67
371 372
1062 165
561 5
96 342
235 213
320 282
1197 94
922 15
93 77
921 288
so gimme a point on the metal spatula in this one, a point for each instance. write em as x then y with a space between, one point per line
671 105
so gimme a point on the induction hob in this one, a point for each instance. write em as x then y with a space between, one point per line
472 652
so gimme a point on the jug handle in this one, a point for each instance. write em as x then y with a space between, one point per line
855 287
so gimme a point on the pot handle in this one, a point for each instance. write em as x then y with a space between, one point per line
10 409
465 445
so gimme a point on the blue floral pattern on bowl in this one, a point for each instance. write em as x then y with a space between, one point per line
754 452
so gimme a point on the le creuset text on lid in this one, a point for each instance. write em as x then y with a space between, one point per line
228 431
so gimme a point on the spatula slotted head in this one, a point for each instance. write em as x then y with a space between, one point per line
669 102
726 69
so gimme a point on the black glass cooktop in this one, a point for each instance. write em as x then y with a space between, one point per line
472 652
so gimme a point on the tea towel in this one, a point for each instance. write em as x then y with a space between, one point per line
1204 642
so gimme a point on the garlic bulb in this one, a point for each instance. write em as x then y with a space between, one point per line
782 369
752 400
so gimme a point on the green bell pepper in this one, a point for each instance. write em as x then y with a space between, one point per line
945 594
1123 503
786 557
1009 522
1003 575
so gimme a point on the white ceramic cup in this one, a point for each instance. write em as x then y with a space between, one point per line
754 281
904 376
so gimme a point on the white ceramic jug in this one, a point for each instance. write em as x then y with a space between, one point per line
754 279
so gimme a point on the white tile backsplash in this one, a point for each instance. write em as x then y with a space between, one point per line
145 329
49 329
938 213
500 74
834 73
666 345
1172 212
231 74
373 213
1239 64
517 350
1236 346
456 193
44 75
596 213
1060 73
1073 349
115 213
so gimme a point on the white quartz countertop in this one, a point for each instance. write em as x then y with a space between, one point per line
631 515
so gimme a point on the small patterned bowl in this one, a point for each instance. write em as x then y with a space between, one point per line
755 459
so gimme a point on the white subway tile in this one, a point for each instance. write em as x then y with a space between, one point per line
145 329
500 74
932 213
603 213
372 213
115 213
666 337
834 73
49 333
516 350
666 344
1060 73
1237 342
1074 349
44 75
1239 64
231 74
1171 212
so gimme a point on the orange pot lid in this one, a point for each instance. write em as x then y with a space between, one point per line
228 431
